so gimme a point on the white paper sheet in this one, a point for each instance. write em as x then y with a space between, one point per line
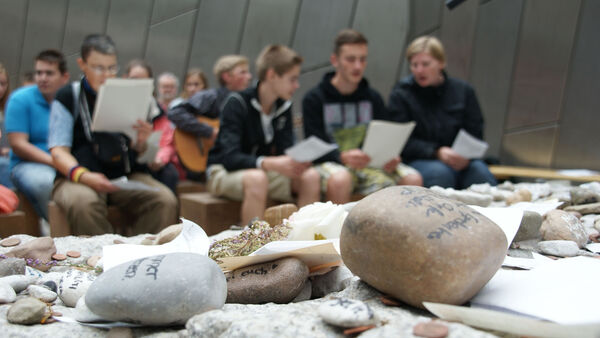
469 146
120 103
593 247
540 207
309 149
285 246
152 149
126 184
191 239
385 140
507 219
563 291
526 263
511 323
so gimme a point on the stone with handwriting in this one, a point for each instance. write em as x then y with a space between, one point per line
158 290
417 246
345 312
73 285
278 281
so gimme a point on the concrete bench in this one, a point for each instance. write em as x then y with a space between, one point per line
60 227
506 172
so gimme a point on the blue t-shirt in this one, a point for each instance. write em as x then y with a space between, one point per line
27 111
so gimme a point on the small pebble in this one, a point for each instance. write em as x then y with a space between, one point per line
51 285
118 241
388 301
432 329
59 257
358 329
73 254
56 314
348 313
10 242
152 238
147 241
92 261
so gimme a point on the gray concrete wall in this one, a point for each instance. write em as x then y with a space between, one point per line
532 62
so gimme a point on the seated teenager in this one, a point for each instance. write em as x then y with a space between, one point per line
441 106
87 161
338 110
27 116
248 161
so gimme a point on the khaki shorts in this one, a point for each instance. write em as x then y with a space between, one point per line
367 180
229 184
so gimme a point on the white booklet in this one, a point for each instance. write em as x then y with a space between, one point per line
385 140
309 149
468 146
120 103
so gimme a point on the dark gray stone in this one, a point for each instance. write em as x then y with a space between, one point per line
159 290
26 311
530 226
50 285
278 281
12 266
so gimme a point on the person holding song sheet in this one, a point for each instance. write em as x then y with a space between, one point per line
86 160
441 106
338 110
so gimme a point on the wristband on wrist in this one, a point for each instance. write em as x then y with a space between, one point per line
76 172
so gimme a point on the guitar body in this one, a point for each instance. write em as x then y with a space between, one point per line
192 150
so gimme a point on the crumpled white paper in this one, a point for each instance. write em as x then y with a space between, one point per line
324 219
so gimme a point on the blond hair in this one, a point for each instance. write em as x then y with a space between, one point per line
428 44
227 63
277 57
191 72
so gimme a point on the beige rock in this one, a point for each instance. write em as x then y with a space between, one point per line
38 252
418 246
521 195
26 311
562 225
168 234
275 215
584 209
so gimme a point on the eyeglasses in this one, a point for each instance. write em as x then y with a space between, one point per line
99 70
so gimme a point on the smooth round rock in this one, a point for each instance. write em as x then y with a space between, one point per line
432 329
7 293
559 248
73 285
10 242
169 233
12 266
159 290
277 281
83 314
26 311
42 293
74 254
19 282
417 246
561 225
530 226
346 312
59 257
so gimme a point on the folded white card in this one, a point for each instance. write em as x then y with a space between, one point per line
309 149
468 146
385 140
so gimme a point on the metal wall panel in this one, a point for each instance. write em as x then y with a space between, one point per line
494 50
318 24
83 17
217 33
12 30
544 49
530 148
128 27
166 9
168 44
458 31
426 15
267 22
578 139
41 32
386 26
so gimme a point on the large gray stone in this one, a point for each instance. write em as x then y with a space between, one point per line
158 290
19 282
530 226
419 246
12 266
26 311
584 196
278 281
73 285
561 225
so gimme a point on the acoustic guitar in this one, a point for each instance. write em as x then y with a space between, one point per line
193 150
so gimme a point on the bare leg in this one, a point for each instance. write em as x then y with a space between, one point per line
256 186
307 187
339 187
412 179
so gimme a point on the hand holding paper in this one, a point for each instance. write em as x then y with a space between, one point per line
385 140
469 146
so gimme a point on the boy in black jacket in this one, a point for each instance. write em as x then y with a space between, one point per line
248 161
